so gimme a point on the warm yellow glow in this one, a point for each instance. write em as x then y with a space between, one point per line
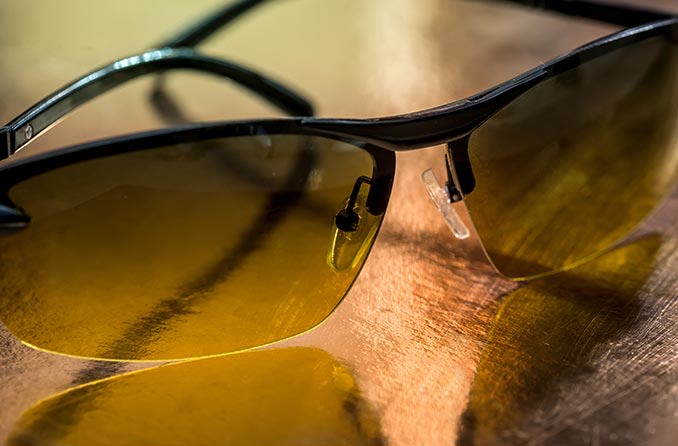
274 397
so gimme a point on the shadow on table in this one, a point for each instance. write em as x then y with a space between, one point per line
551 332
272 397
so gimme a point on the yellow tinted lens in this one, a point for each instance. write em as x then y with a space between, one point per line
574 164
181 251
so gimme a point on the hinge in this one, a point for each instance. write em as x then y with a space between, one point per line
5 142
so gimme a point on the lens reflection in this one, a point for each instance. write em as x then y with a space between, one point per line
552 344
275 397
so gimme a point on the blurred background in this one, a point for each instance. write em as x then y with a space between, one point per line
430 346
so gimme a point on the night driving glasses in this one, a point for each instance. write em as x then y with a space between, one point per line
213 238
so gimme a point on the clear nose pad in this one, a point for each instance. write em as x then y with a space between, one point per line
441 198
355 228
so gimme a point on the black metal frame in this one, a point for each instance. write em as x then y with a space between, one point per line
448 124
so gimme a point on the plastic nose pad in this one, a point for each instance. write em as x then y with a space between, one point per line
355 228
442 200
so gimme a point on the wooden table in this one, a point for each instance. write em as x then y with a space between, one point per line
430 346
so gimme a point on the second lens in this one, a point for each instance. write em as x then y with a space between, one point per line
573 165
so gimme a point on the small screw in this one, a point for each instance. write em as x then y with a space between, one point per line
28 132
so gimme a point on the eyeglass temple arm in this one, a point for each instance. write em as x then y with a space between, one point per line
47 112
623 15
615 14
191 37
170 55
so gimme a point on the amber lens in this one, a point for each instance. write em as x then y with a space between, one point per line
181 251
573 165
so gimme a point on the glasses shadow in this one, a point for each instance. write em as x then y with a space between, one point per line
548 334
273 397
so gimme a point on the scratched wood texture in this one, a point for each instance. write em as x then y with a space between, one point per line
440 350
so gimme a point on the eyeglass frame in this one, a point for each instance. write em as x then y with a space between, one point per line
450 124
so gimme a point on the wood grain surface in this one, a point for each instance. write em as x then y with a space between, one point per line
430 346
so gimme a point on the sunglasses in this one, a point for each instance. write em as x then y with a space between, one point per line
213 238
